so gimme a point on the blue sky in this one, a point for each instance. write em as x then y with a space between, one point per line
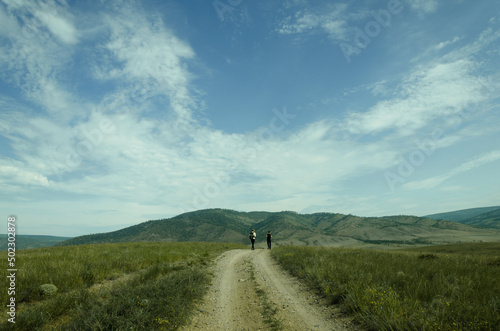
116 113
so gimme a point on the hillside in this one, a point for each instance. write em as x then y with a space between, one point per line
486 220
212 225
29 241
221 225
463 214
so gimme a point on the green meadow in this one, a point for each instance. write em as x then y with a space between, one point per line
450 287
149 286
154 286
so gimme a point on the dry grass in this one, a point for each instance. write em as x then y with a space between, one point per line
433 288
110 286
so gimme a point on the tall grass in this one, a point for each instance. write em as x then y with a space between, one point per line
110 286
405 290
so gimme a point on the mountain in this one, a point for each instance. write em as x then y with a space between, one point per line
222 225
463 214
485 220
211 225
28 241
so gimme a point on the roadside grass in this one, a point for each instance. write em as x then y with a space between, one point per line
450 287
269 311
110 286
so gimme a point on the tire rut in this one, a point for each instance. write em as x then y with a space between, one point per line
233 304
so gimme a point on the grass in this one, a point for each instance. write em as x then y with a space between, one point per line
452 287
268 310
154 286
110 286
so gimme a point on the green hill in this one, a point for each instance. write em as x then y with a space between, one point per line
28 241
486 220
463 214
329 229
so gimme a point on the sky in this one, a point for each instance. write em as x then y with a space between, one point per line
113 113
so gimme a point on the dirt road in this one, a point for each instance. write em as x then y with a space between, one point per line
233 302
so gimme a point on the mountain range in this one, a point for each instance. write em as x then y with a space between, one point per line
487 217
287 227
30 241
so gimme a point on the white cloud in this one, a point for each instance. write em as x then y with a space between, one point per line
60 26
331 21
36 15
149 56
148 62
33 58
444 89
15 174
424 6
140 149
477 161
443 44
155 160
336 21
378 88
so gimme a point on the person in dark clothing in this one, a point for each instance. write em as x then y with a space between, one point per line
252 237
268 237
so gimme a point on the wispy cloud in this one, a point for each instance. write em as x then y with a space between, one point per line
444 44
147 159
434 89
40 48
144 53
476 162
15 175
444 89
306 21
339 21
114 118
38 17
57 24
424 6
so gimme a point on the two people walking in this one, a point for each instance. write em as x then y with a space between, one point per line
253 235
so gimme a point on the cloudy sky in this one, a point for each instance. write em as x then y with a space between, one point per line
113 113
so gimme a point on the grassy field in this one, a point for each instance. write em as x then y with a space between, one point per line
150 286
450 287
154 285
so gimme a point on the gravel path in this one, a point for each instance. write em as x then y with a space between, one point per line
232 302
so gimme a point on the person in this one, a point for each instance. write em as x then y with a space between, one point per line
252 237
268 236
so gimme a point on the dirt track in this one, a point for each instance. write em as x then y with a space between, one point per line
233 304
